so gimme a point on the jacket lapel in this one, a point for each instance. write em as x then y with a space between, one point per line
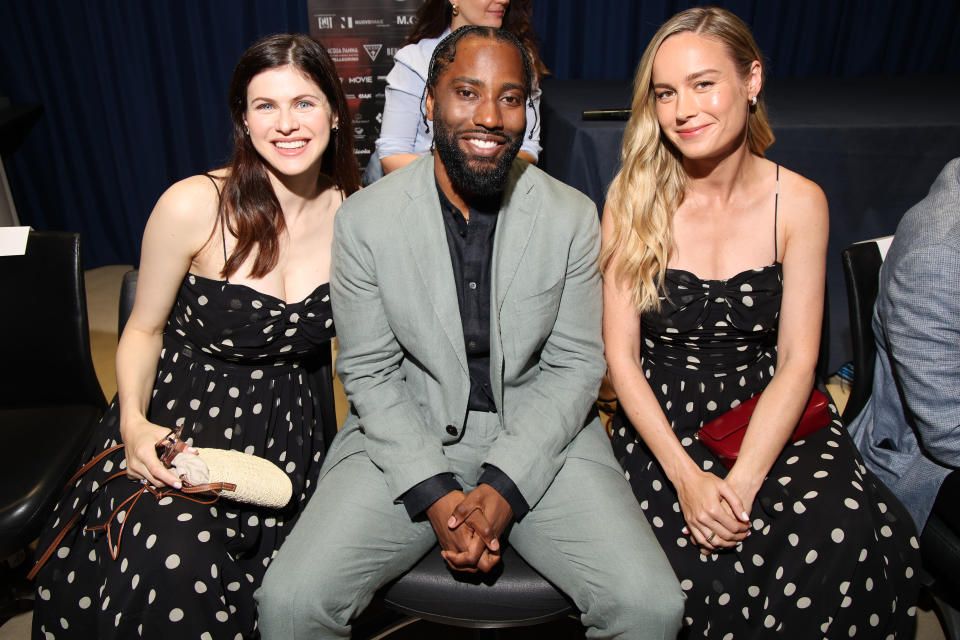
427 241
517 218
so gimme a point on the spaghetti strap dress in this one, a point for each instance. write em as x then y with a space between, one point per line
234 374
832 553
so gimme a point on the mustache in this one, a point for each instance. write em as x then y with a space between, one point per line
484 133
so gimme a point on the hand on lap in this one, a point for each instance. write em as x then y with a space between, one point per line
460 546
709 507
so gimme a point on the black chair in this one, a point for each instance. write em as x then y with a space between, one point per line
822 370
861 271
512 595
128 291
50 400
939 542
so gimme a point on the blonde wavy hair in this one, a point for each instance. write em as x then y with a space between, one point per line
651 183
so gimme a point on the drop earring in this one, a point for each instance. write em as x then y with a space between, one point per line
456 10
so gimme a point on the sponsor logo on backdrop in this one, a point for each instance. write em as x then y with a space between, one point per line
362 37
373 50
354 22
344 54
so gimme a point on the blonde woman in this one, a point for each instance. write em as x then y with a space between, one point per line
714 260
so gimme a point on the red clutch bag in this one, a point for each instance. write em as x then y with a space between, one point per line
724 434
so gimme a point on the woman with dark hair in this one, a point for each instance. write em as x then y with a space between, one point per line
232 306
713 263
404 132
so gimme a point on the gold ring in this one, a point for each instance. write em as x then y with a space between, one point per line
713 535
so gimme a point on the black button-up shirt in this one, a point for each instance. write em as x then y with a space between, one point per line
471 254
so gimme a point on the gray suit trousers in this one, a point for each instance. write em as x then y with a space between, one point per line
587 535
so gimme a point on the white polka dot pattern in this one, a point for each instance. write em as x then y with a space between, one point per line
805 572
229 374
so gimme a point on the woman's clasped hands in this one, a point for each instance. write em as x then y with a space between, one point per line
715 515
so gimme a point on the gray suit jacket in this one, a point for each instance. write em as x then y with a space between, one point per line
401 350
909 431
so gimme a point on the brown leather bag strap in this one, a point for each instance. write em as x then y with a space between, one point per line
56 543
93 462
42 560
132 501
213 488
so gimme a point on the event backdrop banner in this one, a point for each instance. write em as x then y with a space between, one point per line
362 36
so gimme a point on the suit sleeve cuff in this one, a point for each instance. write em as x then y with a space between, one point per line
422 495
500 481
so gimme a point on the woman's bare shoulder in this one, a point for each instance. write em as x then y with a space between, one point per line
190 200
798 192
803 210
187 210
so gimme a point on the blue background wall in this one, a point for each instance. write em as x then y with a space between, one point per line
605 38
134 91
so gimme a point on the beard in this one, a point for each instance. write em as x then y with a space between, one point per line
474 177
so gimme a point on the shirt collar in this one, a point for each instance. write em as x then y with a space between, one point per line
484 206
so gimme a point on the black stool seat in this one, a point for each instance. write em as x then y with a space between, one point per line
512 595
41 450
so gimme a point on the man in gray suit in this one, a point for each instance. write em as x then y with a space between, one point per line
467 300
909 431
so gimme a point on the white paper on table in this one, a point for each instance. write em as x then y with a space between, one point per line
13 240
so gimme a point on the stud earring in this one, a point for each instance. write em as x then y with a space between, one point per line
246 130
335 128
753 101
456 10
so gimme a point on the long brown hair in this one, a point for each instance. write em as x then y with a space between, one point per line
434 17
651 183
248 206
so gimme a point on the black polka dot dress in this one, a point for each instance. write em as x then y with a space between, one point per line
832 554
232 375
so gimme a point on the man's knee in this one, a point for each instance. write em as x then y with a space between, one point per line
640 608
656 609
297 603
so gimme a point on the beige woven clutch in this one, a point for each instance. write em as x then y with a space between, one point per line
258 481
